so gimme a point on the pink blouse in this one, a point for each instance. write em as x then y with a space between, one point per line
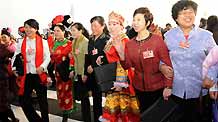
210 60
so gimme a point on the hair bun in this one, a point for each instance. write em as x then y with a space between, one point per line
6 31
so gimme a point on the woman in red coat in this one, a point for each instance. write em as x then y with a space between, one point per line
60 54
144 53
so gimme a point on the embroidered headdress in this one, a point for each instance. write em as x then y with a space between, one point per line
117 17
61 20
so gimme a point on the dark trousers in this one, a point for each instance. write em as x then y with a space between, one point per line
82 94
51 73
205 109
33 82
97 101
4 117
188 109
146 99
11 115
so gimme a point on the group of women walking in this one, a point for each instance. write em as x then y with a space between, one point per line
148 67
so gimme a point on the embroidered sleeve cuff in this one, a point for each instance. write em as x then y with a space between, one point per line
121 84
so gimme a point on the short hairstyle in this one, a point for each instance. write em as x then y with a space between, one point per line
32 23
147 14
183 5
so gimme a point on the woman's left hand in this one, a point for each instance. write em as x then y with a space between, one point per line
167 71
116 88
71 75
167 93
213 95
99 61
207 83
39 70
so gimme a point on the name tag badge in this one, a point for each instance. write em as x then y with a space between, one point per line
95 51
148 54
77 51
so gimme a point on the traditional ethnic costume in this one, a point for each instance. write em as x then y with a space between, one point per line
120 105
5 88
60 53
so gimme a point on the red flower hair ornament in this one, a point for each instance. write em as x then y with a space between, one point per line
60 19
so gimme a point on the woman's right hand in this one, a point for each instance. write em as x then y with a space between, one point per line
167 71
207 83
15 73
119 48
99 61
84 78
213 95
71 75
89 69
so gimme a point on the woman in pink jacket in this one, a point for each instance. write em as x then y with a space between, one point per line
209 63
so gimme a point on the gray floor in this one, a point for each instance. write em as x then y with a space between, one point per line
20 115
55 113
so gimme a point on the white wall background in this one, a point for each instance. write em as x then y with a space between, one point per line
14 12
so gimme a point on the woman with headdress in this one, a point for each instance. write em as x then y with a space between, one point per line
9 47
7 39
21 31
5 110
120 103
60 55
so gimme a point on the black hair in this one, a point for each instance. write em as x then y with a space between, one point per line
6 32
211 22
79 27
183 5
203 20
34 24
5 53
203 23
147 14
62 27
101 21
168 24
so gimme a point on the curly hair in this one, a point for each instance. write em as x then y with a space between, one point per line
183 5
